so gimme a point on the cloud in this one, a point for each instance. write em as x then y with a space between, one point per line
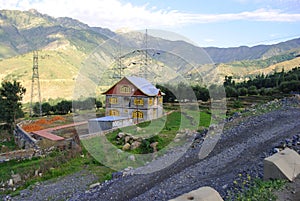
209 40
115 14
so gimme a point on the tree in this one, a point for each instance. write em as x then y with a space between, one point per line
64 107
11 95
168 90
201 93
252 90
243 91
47 108
231 92
98 104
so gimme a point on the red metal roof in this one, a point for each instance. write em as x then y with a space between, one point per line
46 134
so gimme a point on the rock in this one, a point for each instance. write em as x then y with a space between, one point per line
128 138
119 151
154 146
121 135
94 185
10 182
176 140
16 178
276 150
131 157
135 145
117 175
126 147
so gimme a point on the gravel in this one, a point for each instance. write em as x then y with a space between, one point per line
60 189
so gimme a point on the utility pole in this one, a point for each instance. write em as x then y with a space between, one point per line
35 84
118 70
144 68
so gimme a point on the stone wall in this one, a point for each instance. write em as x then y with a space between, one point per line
18 154
23 139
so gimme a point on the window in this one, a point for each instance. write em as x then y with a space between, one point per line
125 89
137 114
139 101
114 113
150 101
113 100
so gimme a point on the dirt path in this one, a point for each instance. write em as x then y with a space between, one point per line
240 150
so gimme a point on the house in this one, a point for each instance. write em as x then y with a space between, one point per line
135 98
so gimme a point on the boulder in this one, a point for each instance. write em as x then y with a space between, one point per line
16 178
126 147
282 165
128 138
135 145
202 194
154 146
121 135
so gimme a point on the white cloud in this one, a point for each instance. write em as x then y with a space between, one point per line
114 14
209 40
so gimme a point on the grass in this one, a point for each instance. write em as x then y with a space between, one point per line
7 142
164 130
10 145
257 189
53 166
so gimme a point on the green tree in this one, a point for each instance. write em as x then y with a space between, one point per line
47 108
98 104
243 91
201 93
11 95
252 90
231 92
64 107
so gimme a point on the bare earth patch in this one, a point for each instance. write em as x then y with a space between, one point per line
291 191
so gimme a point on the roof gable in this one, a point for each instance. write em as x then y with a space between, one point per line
143 85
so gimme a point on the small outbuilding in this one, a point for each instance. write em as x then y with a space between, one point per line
108 122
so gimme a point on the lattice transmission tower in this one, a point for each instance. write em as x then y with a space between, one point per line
35 85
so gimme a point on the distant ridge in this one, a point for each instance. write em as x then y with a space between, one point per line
24 31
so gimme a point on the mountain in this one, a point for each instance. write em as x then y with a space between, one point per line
25 31
66 45
225 55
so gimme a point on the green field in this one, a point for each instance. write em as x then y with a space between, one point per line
164 130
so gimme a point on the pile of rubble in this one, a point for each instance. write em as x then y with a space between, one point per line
131 142
292 143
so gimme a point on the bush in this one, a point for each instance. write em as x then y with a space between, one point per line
237 104
243 91
252 90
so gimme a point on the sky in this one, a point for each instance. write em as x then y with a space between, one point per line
218 23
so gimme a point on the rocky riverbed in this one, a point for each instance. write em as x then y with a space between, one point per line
240 151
